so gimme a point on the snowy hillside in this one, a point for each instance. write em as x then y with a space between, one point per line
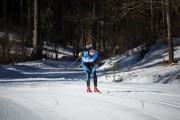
151 69
51 90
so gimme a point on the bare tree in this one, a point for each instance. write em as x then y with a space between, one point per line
37 48
29 23
5 36
169 33
152 20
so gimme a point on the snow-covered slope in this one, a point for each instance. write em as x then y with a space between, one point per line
152 68
51 90
68 100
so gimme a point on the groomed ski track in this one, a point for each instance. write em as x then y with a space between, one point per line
68 100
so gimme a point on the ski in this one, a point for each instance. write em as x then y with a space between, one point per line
100 92
103 92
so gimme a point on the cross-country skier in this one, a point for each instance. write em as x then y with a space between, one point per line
89 64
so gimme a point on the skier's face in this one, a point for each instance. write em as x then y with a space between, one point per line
92 51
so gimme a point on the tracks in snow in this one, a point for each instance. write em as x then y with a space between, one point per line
70 101
155 102
10 110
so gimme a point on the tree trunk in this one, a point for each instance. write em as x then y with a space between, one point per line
37 52
21 12
94 28
169 34
29 24
152 21
5 37
163 18
23 50
35 33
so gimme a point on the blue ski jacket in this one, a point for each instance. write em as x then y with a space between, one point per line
87 59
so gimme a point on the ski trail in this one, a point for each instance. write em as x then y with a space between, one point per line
163 100
122 112
57 102
69 100
149 99
12 111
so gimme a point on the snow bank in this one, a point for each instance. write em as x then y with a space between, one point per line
151 68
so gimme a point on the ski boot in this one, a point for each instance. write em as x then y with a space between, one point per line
95 89
88 89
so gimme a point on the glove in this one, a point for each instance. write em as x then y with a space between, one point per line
81 54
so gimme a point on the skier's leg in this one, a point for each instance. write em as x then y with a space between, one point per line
95 81
94 78
88 78
94 75
86 68
88 81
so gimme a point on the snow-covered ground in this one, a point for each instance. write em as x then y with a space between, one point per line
48 90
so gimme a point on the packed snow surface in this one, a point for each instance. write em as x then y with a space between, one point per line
51 90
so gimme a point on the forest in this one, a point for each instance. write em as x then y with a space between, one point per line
111 26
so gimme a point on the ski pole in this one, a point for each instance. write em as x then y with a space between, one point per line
79 65
73 63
